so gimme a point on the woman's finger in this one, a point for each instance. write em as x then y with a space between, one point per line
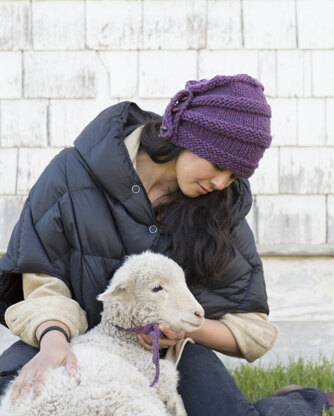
71 364
14 394
169 333
22 386
143 343
26 386
163 342
38 383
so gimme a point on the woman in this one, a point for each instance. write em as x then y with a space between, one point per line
177 186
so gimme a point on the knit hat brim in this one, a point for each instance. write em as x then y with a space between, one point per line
242 166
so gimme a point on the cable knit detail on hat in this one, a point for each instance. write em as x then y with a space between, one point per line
244 134
239 104
225 120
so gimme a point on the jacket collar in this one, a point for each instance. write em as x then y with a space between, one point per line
101 145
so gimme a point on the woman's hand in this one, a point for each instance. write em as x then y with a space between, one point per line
55 351
170 338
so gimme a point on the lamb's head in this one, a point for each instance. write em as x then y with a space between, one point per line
151 288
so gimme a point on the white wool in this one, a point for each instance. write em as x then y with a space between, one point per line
114 371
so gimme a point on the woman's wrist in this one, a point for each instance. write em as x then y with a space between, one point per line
55 336
53 339
217 336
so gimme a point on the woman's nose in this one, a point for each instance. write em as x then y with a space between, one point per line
221 181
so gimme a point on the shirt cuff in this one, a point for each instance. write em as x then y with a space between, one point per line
253 333
23 318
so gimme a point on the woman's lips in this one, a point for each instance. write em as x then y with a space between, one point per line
202 190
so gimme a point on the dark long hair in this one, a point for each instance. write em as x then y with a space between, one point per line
200 228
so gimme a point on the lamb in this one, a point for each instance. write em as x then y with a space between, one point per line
114 370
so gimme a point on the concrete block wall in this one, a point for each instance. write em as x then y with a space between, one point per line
61 62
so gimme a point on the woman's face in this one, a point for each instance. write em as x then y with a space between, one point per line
197 176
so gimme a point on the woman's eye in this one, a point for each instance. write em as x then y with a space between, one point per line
218 167
157 288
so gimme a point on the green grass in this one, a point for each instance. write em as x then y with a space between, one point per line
257 382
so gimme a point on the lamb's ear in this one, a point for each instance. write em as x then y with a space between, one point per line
119 286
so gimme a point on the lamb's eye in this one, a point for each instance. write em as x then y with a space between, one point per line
157 288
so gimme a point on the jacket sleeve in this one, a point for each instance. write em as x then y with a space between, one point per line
39 241
253 333
46 298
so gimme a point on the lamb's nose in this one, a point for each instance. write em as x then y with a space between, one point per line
199 314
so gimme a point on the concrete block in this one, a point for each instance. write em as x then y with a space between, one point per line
322 67
8 167
182 26
15 25
114 24
24 123
269 24
300 289
11 74
10 210
311 122
58 25
291 219
251 218
294 73
60 75
31 164
284 121
156 106
307 170
153 79
294 341
330 122
330 218
265 178
102 81
224 24
122 68
228 62
315 32
267 69
64 123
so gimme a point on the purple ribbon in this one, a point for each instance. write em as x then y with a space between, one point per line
153 331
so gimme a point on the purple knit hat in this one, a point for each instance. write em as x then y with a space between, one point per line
225 120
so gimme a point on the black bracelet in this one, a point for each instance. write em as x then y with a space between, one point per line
52 328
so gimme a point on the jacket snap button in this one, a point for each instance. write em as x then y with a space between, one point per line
153 229
135 189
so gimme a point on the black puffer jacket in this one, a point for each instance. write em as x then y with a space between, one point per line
89 208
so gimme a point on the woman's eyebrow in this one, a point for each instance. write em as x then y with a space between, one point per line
218 167
222 168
